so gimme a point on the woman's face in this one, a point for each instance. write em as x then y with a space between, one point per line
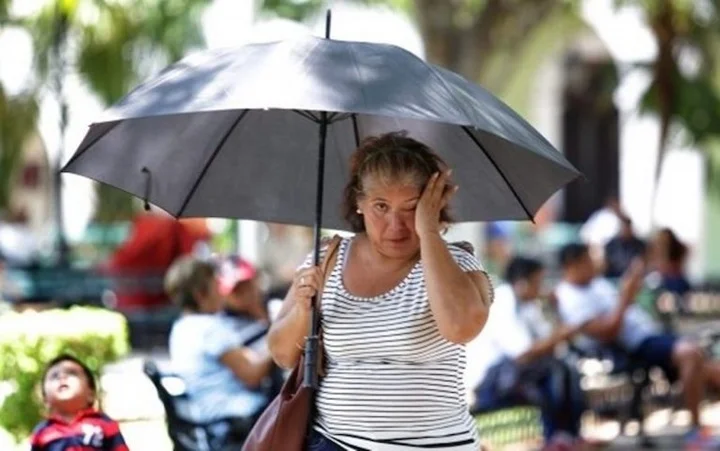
210 300
388 210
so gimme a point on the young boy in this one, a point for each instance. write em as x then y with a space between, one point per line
73 424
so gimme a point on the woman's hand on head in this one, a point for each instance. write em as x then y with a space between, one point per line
435 197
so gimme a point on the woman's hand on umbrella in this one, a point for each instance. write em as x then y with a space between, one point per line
305 285
434 198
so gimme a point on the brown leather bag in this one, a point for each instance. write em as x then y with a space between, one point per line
284 424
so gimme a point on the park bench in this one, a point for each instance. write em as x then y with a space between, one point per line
53 286
186 434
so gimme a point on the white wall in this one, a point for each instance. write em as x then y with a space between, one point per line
680 197
680 200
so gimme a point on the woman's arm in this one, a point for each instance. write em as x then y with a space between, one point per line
287 333
460 301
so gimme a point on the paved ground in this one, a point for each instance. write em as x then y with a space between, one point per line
131 398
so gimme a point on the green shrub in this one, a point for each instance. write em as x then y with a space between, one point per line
512 425
29 339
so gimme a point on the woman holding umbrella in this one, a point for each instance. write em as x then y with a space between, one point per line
397 307
196 141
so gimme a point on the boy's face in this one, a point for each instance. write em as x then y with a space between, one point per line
67 389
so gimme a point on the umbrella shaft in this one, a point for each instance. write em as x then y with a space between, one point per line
310 376
320 188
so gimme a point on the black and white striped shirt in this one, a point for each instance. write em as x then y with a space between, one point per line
392 381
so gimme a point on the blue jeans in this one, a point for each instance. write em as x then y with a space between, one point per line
319 442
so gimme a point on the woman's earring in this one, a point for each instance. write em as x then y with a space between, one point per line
358 211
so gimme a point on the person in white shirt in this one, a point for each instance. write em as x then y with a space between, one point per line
516 348
223 375
601 227
609 317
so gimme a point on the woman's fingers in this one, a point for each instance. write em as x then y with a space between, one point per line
429 191
449 193
309 277
440 188
307 283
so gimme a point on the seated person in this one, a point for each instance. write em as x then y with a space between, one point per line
669 259
608 317
244 304
521 367
243 300
221 373
623 249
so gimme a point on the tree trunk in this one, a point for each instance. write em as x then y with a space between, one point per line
665 75
500 28
441 38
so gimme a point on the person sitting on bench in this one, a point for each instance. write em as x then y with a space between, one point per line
246 307
610 318
222 374
517 347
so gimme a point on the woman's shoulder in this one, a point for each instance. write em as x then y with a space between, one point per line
326 243
464 246
464 254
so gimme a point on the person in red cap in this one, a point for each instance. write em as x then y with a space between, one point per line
244 305
237 283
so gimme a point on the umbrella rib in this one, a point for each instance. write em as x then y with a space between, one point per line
356 132
460 106
307 115
81 151
500 171
209 162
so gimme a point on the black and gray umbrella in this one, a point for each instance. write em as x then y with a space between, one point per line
265 132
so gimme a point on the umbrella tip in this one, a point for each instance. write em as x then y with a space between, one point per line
328 21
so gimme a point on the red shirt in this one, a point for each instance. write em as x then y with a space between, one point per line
90 430
155 241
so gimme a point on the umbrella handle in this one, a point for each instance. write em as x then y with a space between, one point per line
148 180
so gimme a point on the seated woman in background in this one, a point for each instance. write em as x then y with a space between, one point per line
670 258
221 372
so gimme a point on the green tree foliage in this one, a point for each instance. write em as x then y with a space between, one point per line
112 46
18 117
684 88
29 340
480 39
485 39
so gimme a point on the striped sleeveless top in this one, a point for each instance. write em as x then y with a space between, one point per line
392 381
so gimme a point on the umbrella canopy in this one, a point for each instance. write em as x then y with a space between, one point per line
234 133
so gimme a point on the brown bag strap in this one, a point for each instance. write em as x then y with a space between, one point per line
326 267
328 263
